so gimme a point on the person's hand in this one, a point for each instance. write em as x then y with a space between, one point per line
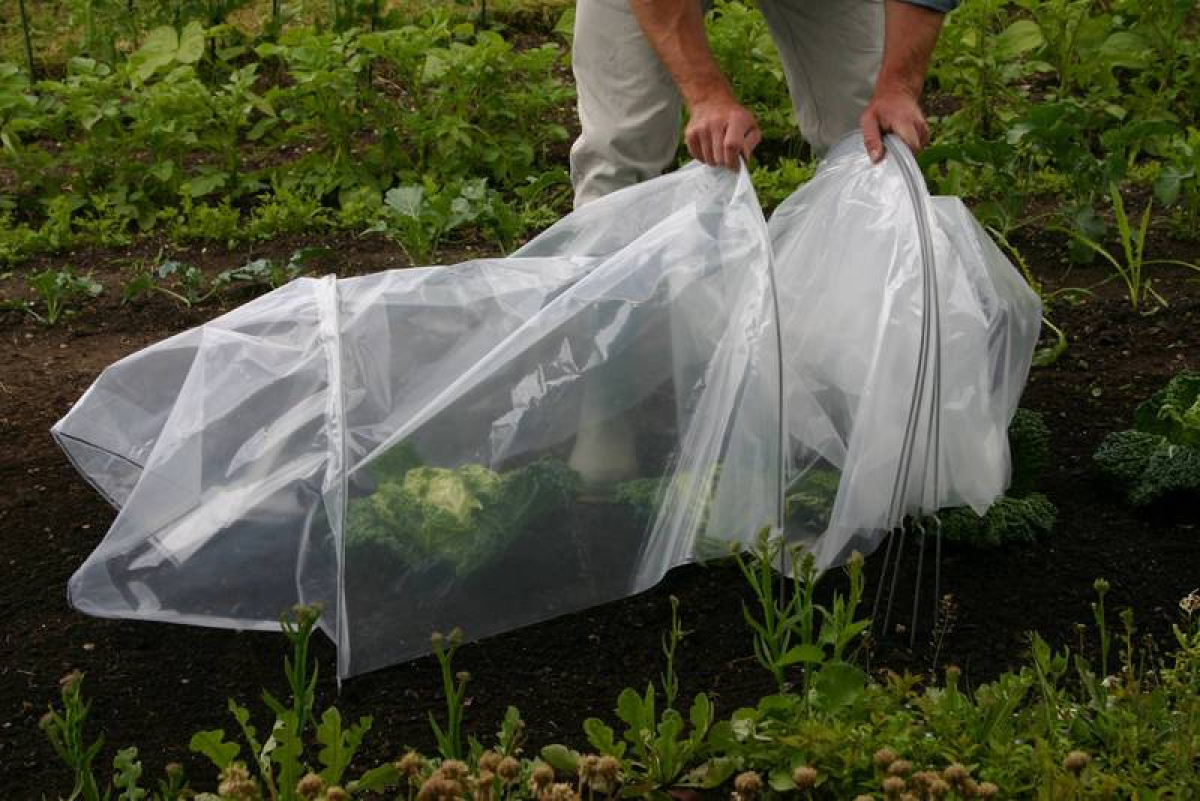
720 130
894 111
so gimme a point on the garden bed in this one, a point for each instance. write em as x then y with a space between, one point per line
153 685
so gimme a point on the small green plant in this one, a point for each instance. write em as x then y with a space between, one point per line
1130 263
454 688
187 283
278 765
797 631
58 290
273 273
65 731
1160 456
657 747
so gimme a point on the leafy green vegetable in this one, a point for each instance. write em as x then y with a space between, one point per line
1173 411
1029 446
1148 466
462 516
1009 519
1020 515
1160 456
810 499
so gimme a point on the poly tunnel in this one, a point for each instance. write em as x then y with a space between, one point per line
494 443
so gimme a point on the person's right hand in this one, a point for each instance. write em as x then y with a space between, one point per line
721 129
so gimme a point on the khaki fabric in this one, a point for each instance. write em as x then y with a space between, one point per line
630 109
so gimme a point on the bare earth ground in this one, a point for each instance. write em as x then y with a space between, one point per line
152 685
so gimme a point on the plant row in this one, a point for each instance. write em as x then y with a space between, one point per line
1126 724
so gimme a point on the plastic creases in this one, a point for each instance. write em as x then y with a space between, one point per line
497 442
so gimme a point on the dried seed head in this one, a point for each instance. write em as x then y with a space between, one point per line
439 788
456 636
509 770
489 760
1075 762
987 790
901 767
462 677
956 773
542 776
336 793
484 785
1190 604
609 770
437 639
559 792
922 780
237 784
893 786
70 682
588 765
410 764
748 784
454 770
938 787
884 757
805 777
310 786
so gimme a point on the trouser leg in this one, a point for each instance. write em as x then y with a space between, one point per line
831 51
629 106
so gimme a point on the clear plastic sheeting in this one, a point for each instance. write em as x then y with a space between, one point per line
501 441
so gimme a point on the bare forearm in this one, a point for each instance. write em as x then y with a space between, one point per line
910 36
675 29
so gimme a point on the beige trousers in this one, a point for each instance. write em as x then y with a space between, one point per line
630 108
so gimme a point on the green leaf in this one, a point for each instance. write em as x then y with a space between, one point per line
128 771
1125 49
634 711
1169 184
561 758
157 51
191 44
204 184
212 744
377 779
603 738
406 200
1020 37
701 713
808 654
839 684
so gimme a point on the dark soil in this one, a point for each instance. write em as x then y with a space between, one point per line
153 685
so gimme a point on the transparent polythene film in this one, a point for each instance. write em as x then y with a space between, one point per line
485 445
911 334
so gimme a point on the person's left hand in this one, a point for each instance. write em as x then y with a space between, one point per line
897 111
